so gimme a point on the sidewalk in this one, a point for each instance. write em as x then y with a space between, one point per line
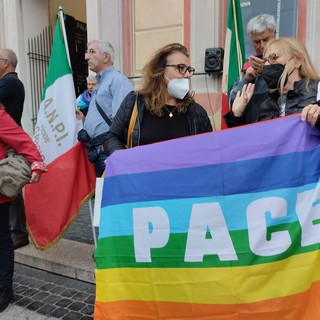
57 283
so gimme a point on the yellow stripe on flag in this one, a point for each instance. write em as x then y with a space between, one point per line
297 307
232 285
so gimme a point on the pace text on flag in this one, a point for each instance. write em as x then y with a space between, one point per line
221 225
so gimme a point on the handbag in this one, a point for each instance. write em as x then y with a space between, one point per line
133 119
15 173
103 114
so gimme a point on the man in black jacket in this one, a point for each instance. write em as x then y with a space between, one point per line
260 29
12 95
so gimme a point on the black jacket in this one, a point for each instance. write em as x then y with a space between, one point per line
117 136
269 108
12 95
251 112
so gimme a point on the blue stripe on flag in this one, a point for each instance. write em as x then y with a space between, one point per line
286 171
117 220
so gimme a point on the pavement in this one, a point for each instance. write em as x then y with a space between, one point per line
57 283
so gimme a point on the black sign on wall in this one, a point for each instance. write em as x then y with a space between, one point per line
284 11
77 43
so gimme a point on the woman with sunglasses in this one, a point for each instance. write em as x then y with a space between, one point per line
293 85
166 108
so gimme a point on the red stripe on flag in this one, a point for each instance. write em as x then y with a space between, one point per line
52 204
224 110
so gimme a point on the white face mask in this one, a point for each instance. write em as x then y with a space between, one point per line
178 88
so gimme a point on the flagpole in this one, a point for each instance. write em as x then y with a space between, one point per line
92 224
237 36
60 14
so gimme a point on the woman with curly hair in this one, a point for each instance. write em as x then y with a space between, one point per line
165 104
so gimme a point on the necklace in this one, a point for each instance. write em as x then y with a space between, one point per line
170 112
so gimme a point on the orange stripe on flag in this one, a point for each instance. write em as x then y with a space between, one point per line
296 307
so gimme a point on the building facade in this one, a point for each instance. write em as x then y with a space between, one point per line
136 28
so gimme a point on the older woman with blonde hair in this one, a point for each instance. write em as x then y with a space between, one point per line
292 80
165 105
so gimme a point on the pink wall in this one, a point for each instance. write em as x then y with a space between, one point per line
214 105
127 23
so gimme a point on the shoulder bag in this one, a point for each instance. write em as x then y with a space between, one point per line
15 173
133 119
103 114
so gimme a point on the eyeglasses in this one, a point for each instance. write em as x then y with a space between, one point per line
182 68
272 58
261 41
90 51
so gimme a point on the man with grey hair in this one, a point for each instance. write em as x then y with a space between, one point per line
260 29
12 95
112 87
83 100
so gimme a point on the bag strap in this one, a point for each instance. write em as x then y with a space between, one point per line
133 119
103 114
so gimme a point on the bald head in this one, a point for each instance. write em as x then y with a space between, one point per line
9 55
8 61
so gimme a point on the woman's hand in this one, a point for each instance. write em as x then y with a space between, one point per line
242 99
79 114
310 113
35 177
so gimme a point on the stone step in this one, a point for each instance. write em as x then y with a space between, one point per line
69 258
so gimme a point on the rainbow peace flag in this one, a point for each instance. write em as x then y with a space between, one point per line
222 225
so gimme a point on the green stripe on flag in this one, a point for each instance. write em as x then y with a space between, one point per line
58 64
118 252
234 55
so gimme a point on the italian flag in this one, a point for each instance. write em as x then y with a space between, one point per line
234 55
54 202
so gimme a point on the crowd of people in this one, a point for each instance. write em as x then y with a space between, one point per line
278 80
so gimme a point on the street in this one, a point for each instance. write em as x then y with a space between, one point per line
40 294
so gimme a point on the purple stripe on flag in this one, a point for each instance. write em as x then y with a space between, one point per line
217 147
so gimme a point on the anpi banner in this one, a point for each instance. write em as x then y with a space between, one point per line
223 225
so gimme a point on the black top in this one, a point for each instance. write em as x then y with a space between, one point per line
12 95
197 122
156 129
268 108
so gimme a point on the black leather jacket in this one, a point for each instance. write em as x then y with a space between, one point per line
117 136
295 101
